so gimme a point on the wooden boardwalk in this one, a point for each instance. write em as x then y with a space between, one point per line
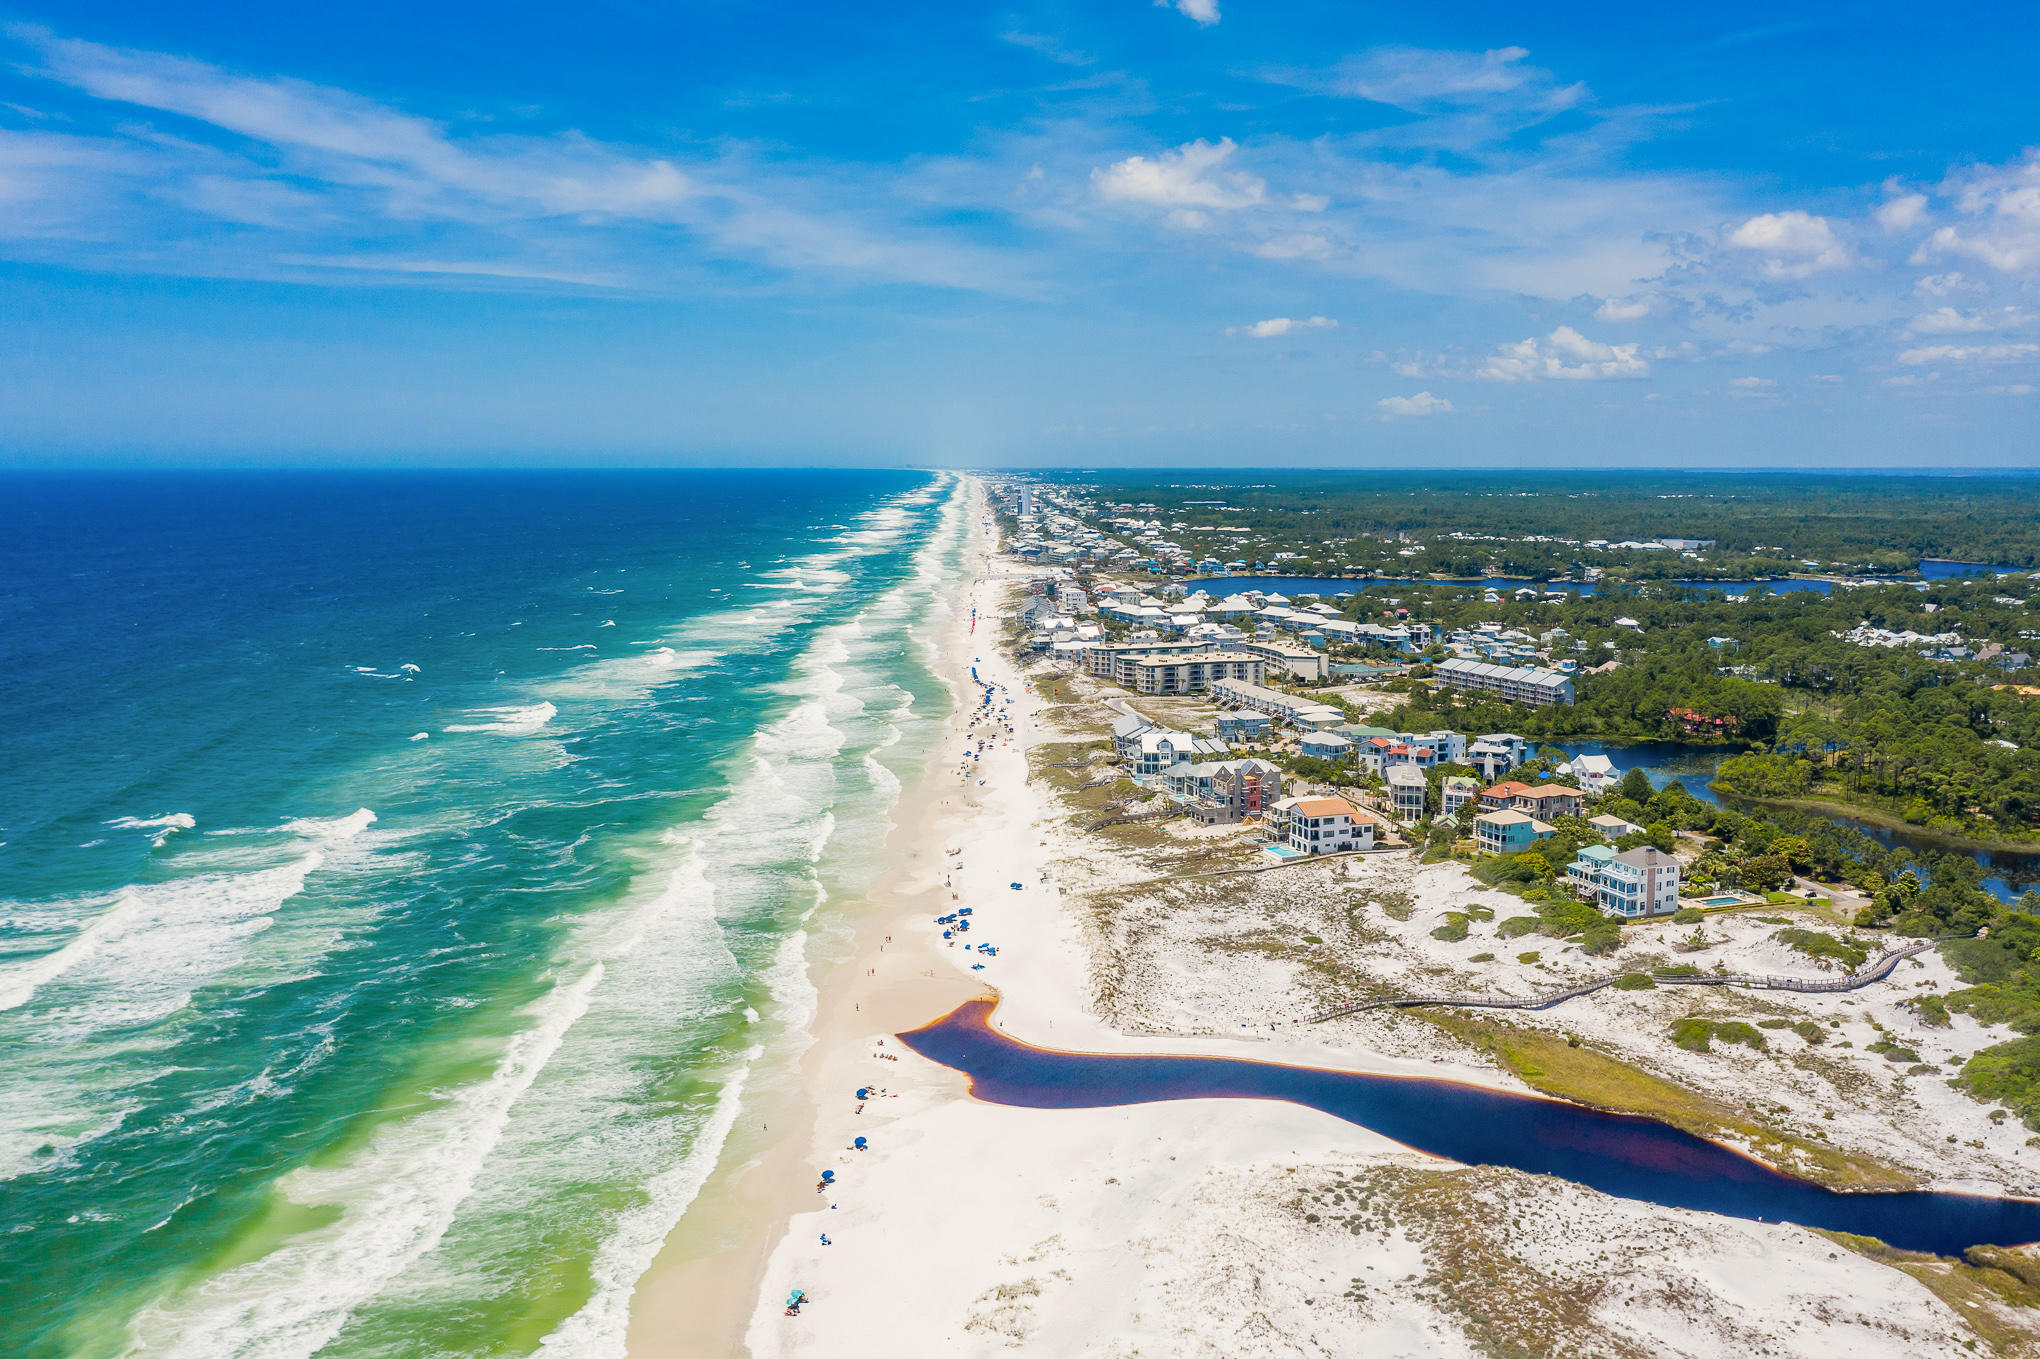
1877 969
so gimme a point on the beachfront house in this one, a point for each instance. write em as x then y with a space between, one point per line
1158 749
1323 825
1583 874
1126 732
1635 884
1614 827
1406 788
1508 832
1229 791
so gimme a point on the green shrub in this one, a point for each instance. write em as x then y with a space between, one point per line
1893 1052
1516 926
2008 1074
1454 928
1635 981
1679 970
1527 958
1810 1031
1688 915
1481 958
1814 944
1932 1010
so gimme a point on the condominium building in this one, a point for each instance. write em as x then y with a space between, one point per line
1190 673
1294 709
1301 661
1518 684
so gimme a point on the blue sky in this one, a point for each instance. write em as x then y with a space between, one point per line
1205 231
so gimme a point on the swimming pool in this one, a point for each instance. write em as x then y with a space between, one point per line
1283 851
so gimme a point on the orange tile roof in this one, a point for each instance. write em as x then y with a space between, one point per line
1324 806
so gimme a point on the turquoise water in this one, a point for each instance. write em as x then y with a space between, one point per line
404 876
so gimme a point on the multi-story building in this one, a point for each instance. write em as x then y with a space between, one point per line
1244 726
1293 657
1518 684
1323 825
1508 832
1297 711
1189 673
1326 745
1406 789
1634 884
1455 791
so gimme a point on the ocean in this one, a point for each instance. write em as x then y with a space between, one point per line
403 875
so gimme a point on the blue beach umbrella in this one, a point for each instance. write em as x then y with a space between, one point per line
859 1144
864 1093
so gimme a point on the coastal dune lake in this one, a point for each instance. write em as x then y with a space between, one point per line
1619 1154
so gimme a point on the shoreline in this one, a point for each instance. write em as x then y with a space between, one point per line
710 1277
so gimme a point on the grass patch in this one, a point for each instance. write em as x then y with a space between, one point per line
1635 981
1454 928
1481 958
1893 1052
1551 1066
1528 958
1688 915
1516 926
1981 1288
1695 1034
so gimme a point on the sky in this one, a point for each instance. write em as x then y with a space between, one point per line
1193 232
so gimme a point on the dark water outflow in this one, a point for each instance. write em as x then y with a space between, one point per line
1618 1154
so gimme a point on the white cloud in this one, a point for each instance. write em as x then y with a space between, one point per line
1185 179
2002 204
1423 403
1751 386
1205 12
1794 244
1968 353
1624 309
323 175
1902 213
1282 325
1949 321
1417 78
2012 389
1564 354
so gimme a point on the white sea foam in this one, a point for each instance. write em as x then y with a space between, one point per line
585 646
396 1198
164 826
421 736
509 721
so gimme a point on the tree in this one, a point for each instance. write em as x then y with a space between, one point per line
1635 786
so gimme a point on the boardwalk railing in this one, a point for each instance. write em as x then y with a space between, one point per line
1876 970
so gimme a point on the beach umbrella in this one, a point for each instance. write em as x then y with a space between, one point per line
859 1144
864 1093
828 1174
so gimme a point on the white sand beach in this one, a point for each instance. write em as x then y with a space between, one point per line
1194 1228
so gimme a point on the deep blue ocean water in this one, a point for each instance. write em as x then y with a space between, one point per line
401 875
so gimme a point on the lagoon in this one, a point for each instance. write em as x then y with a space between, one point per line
1619 1154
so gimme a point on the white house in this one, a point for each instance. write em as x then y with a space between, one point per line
1324 825
1406 785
